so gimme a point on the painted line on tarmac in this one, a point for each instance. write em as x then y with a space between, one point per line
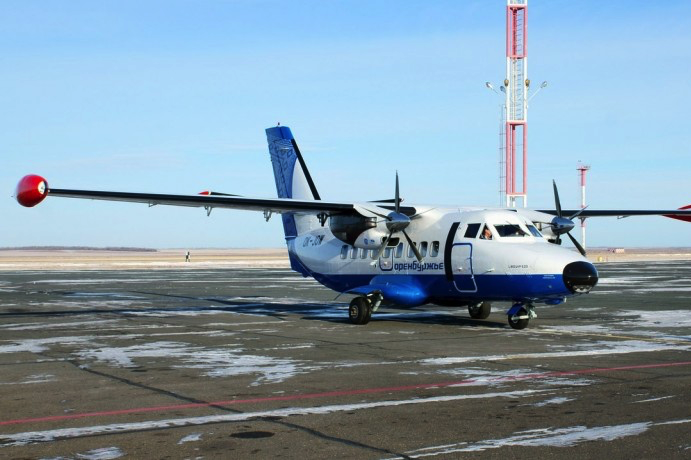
32 437
340 393
612 335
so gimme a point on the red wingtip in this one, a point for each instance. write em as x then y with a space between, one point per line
31 190
684 218
205 193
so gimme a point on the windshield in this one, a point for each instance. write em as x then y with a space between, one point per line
510 230
536 233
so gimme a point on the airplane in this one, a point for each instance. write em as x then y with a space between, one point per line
388 254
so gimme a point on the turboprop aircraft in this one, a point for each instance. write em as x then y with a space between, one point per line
389 254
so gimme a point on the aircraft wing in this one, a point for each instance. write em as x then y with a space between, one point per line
32 189
683 213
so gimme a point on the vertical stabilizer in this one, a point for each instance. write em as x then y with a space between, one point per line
293 180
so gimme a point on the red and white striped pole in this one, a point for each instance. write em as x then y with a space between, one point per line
516 85
582 170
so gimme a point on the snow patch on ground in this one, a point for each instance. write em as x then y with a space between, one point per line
36 378
553 401
542 437
106 453
213 362
41 345
659 318
191 438
53 325
587 349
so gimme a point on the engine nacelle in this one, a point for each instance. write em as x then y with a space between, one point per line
358 231
371 239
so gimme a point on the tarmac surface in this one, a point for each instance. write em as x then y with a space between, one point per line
229 363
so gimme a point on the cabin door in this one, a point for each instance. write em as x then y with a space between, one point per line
462 266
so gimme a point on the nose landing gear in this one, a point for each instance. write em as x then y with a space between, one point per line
519 315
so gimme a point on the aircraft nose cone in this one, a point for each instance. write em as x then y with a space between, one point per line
580 277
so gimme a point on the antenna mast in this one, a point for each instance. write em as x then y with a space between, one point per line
516 84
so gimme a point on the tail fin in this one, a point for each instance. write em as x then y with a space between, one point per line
293 180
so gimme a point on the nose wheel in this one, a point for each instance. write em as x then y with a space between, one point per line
360 311
519 315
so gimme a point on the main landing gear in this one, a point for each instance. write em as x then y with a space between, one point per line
480 310
361 308
360 311
519 315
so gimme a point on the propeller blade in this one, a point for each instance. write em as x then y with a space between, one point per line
383 216
412 246
397 197
379 211
415 216
577 244
578 213
556 198
383 248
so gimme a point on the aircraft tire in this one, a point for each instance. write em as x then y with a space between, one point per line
480 310
519 324
360 311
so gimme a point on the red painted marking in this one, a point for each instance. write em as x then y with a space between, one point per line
684 218
361 391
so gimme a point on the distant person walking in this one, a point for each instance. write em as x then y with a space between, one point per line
187 256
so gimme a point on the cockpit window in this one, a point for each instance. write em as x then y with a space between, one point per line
486 233
510 230
536 233
471 231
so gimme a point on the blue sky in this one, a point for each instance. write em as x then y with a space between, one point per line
174 97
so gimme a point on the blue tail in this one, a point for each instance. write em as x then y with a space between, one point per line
293 180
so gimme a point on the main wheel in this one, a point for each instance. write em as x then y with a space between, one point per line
480 310
516 322
360 311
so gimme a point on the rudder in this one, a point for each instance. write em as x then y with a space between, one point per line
293 180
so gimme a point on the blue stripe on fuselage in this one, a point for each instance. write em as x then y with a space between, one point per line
489 287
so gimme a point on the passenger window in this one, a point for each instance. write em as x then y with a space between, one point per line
471 231
374 253
434 251
423 248
387 253
364 253
399 251
353 253
344 251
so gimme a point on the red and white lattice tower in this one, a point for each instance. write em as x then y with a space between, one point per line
582 169
516 84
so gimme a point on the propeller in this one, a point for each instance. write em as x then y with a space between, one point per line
396 222
562 225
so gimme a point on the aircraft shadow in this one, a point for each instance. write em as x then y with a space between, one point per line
331 313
